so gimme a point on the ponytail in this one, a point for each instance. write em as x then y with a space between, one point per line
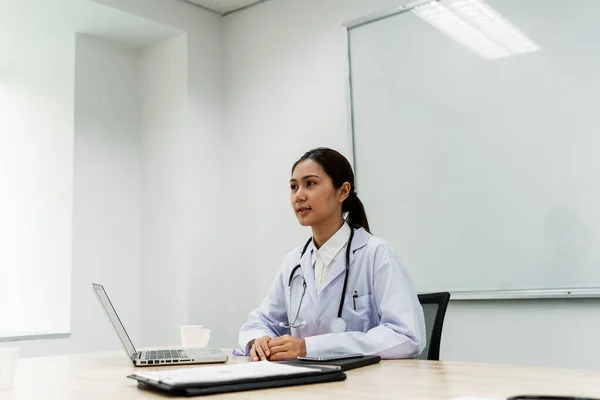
357 217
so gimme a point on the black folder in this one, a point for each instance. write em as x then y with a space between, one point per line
320 375
345 364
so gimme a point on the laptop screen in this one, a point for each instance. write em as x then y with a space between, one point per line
114 319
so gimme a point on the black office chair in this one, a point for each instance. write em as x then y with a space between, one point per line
434 308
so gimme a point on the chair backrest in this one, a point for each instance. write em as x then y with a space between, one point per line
434 307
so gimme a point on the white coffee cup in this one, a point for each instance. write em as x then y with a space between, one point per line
194 336
8 366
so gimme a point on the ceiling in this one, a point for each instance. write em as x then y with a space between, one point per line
224 6
23 25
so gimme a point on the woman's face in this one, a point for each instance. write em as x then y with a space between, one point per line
313 197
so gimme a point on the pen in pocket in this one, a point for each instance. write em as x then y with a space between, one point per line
354 299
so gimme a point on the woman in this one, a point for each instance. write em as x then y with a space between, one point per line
344 291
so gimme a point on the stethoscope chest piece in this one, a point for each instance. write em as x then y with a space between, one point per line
338 325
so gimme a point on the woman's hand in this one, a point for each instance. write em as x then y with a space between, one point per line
286 347
260 349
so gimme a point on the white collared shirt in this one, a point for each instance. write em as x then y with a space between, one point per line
324 258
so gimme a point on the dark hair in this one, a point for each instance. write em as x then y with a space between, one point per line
339 170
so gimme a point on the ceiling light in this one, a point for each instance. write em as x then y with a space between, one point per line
477 26
489 21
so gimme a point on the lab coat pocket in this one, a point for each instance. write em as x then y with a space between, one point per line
364 315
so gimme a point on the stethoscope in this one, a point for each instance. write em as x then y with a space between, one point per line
338 325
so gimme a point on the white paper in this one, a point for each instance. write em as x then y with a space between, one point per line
223 373
474 398
8 366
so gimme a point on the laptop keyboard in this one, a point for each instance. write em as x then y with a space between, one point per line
164 354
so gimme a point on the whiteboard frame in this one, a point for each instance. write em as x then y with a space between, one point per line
347 27
520 294
526 294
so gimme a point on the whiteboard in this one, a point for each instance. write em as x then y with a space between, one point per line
483 173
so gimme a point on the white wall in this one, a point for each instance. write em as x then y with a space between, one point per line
196 254
36 152
549 333
163 99
101 114
123 173
106 185
285 89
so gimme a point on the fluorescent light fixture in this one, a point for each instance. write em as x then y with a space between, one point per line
482 16
458 29
477 26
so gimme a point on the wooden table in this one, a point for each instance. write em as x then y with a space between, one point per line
103 376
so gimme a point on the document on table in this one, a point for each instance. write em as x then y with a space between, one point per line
475 398
224 373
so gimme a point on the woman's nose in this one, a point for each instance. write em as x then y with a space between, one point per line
300 195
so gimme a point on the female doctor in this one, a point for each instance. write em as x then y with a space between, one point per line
345 290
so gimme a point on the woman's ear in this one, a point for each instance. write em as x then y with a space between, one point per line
344 191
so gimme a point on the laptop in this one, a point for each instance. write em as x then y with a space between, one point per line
147 358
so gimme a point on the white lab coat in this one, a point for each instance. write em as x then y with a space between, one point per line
388 319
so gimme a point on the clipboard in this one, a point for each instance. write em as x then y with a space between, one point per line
320 375
345 364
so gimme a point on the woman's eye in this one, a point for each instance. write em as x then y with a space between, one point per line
310 183
293 187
